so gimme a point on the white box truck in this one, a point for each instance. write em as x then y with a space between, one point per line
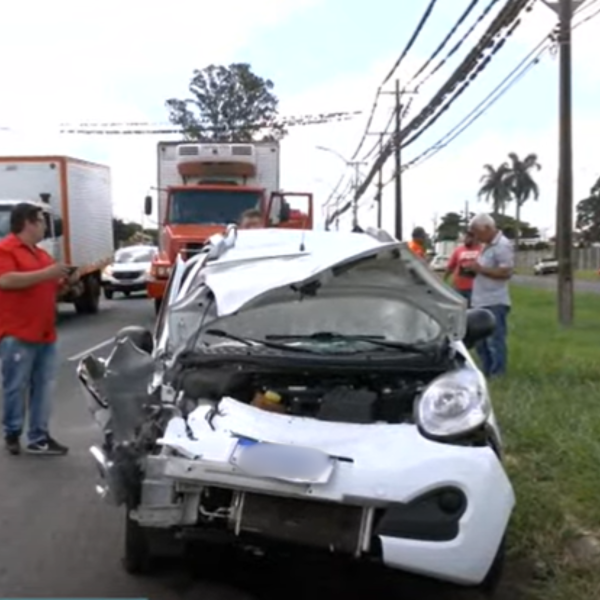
77 202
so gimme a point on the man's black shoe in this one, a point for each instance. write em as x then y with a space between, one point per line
13 443
47 447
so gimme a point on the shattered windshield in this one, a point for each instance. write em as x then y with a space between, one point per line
332 324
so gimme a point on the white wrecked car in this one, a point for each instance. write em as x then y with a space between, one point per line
306 389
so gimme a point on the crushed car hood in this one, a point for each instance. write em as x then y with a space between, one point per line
263 266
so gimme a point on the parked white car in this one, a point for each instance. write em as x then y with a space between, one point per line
129 272
309 389
439 263
546 266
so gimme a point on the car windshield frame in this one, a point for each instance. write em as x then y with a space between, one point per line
211 206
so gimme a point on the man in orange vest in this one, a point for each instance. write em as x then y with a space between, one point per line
417 244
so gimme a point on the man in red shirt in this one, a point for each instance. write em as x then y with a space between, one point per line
29 280
462 256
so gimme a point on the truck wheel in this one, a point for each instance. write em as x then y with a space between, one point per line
108 294
89 301
137 559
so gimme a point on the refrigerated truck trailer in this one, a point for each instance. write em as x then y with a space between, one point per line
75 196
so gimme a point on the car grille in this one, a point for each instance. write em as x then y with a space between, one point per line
127 274
326 525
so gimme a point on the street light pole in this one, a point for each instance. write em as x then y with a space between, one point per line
355 164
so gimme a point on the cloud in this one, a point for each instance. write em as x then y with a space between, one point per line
448 180
75 64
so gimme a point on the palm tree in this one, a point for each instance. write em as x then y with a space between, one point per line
522 185
495 187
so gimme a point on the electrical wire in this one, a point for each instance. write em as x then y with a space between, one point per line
408 46
443 43
537 53
412 40
539 50
459 44
467 69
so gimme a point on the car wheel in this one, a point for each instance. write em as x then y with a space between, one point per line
108 294
127 294
137 559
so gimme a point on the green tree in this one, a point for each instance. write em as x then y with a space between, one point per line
451 226
521 184
587 219
495 187
508 226
228 104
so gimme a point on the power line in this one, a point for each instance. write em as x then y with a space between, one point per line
443 43
134 128
459 44
412 40
468 67
408 46
472 116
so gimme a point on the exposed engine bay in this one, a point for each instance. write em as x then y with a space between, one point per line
358 397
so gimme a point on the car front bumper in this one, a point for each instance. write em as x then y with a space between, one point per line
137 284
391 473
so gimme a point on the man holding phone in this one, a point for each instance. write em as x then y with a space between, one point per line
460 266
29 283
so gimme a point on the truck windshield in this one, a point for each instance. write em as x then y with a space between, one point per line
214 207
5 221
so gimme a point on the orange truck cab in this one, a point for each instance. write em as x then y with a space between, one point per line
203 187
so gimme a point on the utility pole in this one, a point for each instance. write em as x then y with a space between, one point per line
398 162
564 202
398 156
356 165
380 188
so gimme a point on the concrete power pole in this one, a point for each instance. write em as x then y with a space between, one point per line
564 203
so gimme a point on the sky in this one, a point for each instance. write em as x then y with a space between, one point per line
72 65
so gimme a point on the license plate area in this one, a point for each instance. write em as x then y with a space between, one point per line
293 464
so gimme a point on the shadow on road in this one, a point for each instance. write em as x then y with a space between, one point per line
232 577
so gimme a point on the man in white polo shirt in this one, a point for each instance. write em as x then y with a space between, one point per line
493 270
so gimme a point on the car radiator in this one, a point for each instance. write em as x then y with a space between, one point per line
327 525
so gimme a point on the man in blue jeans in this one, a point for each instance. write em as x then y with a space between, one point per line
493 270
29 280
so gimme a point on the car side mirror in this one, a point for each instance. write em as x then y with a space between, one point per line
139 336
481 323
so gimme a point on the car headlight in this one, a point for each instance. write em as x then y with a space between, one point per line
454 404
108 271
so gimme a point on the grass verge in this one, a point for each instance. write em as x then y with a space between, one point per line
549 410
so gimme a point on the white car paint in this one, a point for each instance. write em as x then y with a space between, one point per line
389 463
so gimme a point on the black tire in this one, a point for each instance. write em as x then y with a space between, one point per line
137 558
492 580
127 294
108 294
89 301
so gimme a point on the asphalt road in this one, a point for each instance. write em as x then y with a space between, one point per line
549 282
58 539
